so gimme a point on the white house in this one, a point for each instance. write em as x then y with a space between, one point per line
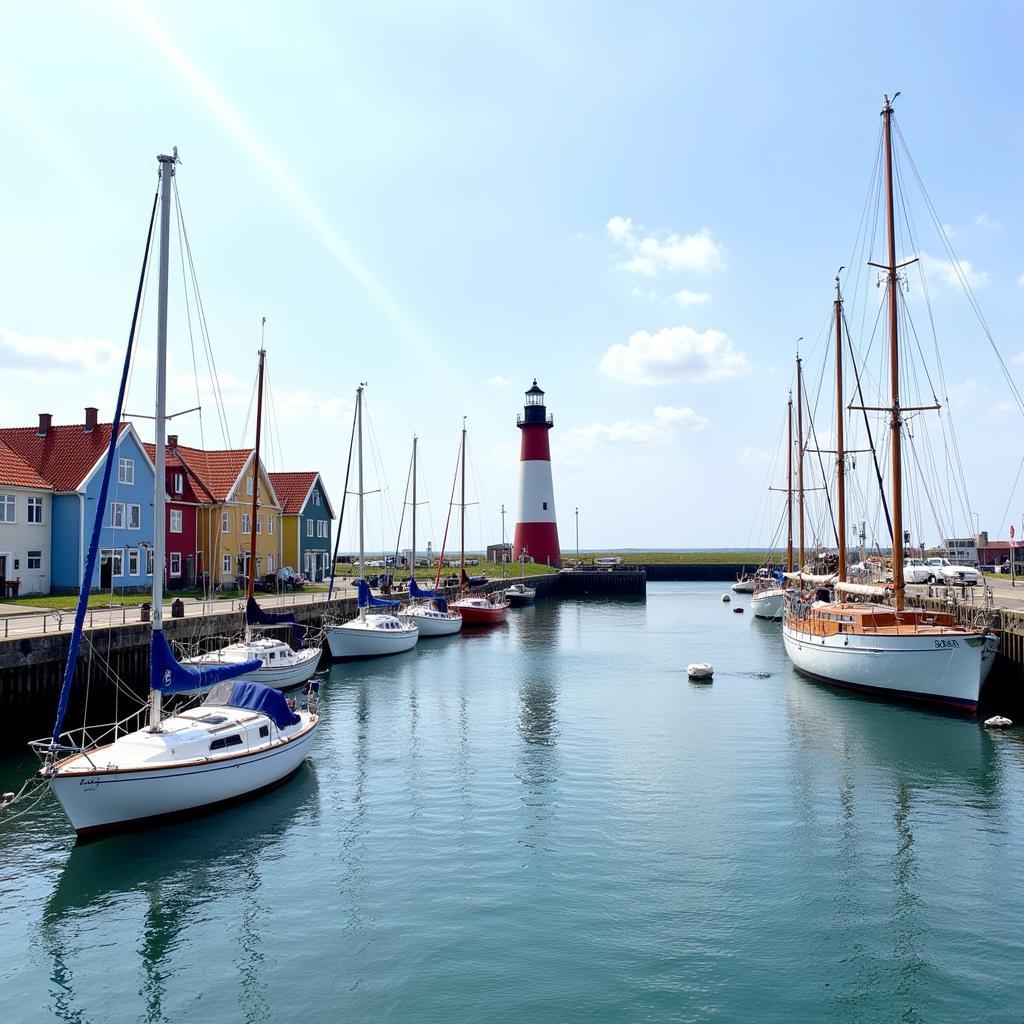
25 513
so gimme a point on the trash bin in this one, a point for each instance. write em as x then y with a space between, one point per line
177 608
146 608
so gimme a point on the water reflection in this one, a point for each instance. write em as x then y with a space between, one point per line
173 873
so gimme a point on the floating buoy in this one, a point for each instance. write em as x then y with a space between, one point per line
997 722
700 672
737 611
726 599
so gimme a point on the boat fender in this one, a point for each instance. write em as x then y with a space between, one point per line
726 599
737 611
997 722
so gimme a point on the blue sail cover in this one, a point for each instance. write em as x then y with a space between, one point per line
265 701
367 600
168 676
778 577
414 590
256 616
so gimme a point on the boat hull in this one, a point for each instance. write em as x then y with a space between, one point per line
278 677
109 801
768 604
518 600
429 626
352 640
474 616
922 667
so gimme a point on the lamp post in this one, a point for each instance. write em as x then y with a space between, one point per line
577 534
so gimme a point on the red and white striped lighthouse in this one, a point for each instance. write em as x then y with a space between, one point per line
536 528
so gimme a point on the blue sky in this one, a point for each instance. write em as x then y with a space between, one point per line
641 205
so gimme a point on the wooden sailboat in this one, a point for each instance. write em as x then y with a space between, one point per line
475 609
243 739
884 648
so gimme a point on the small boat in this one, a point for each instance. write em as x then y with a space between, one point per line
481 611
520 594
744 584
700 672
279 666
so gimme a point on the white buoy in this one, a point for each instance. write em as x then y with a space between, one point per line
700 671
997 722
726 599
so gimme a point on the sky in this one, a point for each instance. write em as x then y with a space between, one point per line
643 206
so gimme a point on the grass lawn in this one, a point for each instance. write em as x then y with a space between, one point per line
749 557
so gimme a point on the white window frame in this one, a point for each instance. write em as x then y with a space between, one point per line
270 563
34 556
8 508
179 483
309 527
245 524
35 505
133 516
126 471
117 515
224 523
177 518
248 486
116 556
133 561
175 564
259 526
226 564
316 496
270 525
149 561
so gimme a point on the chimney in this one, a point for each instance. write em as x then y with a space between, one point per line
172 440
45 419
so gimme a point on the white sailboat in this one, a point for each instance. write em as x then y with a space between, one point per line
886 649
245 737
371 634
427 610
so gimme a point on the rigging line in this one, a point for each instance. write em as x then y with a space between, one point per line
184 291
447 522
401 522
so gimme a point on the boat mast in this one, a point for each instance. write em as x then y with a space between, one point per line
800 457
462 516
840 451
894 368
359 425
160 490
412 557
789 488
256 469
502 541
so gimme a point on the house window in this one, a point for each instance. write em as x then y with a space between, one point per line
321 528
259 525
134 513
309 527
35 560
245 522
115 557
175 563
117 515
179 483
35 510
7 507
175 520
133 562
248 485
149 561
126 471
226 565
316 497
270 563
223 522
270 525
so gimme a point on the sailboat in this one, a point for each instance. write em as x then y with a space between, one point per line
370 634
281 665
243 739
427 609
884 648
475 609
518 594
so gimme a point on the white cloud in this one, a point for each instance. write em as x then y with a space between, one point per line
664 419
688 298
1020 281
497 381
684 416
649 252
642 295
674 355
944 273
754 457
987 223
38 357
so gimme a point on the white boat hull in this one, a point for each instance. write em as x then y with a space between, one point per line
278 677
431 626
356 640
744 586
938 669
768 604
106 800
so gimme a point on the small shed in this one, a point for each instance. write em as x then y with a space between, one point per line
499 553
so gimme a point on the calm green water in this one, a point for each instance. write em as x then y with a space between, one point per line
549 823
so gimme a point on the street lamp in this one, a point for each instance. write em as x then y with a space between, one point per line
577 534
977 523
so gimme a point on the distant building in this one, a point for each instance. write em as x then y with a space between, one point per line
499 552
306 517
962 550
25 508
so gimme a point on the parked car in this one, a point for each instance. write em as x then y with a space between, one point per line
915 570
942 570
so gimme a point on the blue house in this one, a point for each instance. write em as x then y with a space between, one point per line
70 459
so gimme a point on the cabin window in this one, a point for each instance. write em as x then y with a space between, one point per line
7 508
176 519
133 562
175 563
213 719
245 522
264 731
545 506
234 740
179 483
126 471
35 510
272 655
35 560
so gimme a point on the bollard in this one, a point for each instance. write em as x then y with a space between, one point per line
144 616
177 608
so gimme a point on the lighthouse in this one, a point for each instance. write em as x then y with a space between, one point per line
536 530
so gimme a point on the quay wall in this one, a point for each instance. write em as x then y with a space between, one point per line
114 661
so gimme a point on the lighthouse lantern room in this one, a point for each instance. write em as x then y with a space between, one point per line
536 534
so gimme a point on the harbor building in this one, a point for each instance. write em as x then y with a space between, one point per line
25 507
306 517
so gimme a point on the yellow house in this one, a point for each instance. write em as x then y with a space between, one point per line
224 524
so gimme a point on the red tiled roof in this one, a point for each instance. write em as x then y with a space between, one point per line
217 470
173 460
65 455
291 490
16 472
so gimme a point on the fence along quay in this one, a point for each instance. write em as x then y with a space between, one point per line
31 663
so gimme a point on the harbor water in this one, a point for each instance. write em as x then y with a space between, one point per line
548 822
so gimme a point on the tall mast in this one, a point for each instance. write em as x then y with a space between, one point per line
412 557
462 517
160 490
840 450
502 541
256 469
800 457
359 427
789 488
894 368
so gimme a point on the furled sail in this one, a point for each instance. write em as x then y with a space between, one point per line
256 616
254 697
167 675
367 600
863 590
